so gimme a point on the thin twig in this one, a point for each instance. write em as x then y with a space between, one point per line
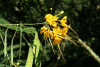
51 45
19 24
61 52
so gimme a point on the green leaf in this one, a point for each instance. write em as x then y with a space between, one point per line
38 60
37 51
29 61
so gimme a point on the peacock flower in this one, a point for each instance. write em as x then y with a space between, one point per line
56 33
43 29
64 30
57 40
51 19
63 21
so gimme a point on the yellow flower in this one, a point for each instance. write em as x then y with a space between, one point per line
62 12
51 19
47 32
56 32
64 30
63 24
55 18
43 29
48 16
65 17
17 63
50 22
57 40
50 8
54 24
63 21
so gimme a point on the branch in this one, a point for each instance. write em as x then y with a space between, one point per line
93 54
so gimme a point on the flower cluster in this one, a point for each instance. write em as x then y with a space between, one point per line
56 33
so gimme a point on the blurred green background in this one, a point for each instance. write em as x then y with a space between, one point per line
83 17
